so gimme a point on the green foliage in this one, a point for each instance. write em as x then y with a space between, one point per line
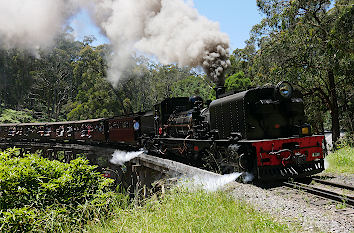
237 82
242 61
13 116
183 211
37 194
192 86
52 74
96 97
146 84
15 78
341 161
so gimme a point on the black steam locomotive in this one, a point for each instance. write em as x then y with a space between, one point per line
262 131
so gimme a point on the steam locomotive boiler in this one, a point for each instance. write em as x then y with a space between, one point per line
262 131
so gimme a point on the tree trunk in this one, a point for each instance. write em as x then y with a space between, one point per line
334 108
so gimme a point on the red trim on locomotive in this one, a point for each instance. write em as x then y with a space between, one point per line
275 152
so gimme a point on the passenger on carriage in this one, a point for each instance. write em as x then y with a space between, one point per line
48 131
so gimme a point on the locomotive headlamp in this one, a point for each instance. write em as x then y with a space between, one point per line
306 130
285 89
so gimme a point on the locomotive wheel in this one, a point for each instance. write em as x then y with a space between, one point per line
209 161
221 160
230 160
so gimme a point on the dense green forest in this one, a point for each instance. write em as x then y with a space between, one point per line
309 43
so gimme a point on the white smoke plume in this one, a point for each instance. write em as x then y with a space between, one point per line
171 30
209 182
121 157
33 24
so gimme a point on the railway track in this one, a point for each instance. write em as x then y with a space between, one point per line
325 193
334 184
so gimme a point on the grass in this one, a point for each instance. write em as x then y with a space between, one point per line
184 211
341 161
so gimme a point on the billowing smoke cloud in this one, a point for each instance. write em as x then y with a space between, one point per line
33 24
171 30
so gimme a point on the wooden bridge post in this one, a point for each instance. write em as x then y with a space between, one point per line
49 153
55 154
68 156
22 151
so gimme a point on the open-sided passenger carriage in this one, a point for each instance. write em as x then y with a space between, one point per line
8 131
61 131
32 131
92 131
5 131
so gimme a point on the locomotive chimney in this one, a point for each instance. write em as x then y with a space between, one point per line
220 86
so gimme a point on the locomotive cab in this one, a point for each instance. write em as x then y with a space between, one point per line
168 110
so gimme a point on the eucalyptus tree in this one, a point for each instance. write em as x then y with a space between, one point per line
309 43
95 97
53 78
15 77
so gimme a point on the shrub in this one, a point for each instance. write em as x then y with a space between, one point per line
40 194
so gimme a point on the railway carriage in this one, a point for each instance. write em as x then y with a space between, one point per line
121 129
8 131
4 131
32 131
92 130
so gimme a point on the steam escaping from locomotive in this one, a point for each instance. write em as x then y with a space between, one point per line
121 157
209 182
171 30
248 177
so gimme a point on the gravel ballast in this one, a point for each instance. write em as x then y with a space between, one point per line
291 206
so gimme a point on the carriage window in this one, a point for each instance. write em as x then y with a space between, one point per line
125 124
99 128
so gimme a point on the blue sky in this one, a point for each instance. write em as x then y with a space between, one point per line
236 18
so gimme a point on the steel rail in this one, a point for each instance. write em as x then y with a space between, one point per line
334 184
349 200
